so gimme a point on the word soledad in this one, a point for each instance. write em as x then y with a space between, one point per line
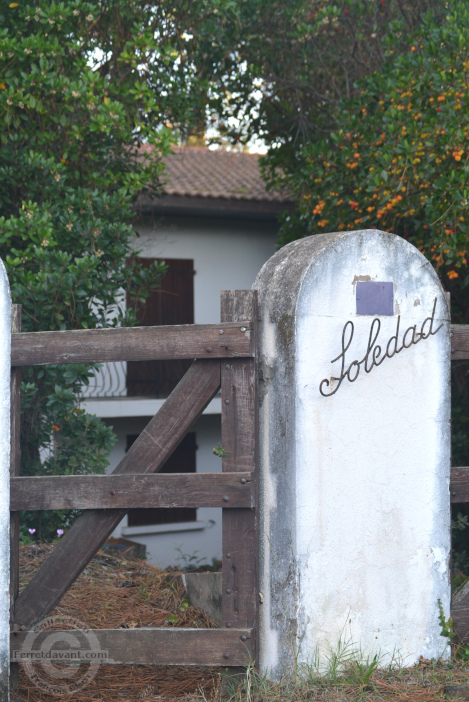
373 352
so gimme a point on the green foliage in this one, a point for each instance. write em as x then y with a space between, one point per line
286 65
361 672
189 561
220 452
460 523
87 92
397 159
447 627
461 650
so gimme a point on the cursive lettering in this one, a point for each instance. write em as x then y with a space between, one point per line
373 353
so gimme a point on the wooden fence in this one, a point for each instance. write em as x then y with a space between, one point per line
226 357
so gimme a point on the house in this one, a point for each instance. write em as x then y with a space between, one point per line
215 227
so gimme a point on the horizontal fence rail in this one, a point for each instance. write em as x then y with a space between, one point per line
132 491
156 490
461 623
459 342
459 484
228 340
154 646
153 343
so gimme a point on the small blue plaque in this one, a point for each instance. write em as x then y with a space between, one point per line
375 298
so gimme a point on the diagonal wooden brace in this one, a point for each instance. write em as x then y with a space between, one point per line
147 455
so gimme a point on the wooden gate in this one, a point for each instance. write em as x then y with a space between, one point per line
225 356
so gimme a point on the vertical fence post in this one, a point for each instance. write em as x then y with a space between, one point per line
15 419
239 440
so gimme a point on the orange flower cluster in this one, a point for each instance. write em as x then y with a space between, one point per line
319 207
389 206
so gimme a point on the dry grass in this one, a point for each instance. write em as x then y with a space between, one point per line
113 593
427 682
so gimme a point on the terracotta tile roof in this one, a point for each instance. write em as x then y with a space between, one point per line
202 173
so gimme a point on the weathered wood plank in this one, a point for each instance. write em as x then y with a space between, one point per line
239 440
131 491
459 484
132 344
461 623
147 455
212 647
15 455
459 342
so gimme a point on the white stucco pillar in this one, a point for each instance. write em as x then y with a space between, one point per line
354 449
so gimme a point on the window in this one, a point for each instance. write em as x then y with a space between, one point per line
172 303
181 461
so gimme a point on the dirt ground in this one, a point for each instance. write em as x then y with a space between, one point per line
114 592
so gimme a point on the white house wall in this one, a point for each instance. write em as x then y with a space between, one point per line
227 254
203 537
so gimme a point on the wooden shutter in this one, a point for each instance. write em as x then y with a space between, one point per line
181 461
172 303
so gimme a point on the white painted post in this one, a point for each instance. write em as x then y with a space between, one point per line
5 356
354 452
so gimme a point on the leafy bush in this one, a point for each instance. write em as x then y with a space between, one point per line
84 86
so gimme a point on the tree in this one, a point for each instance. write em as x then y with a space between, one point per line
87 91
285 67
395 157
